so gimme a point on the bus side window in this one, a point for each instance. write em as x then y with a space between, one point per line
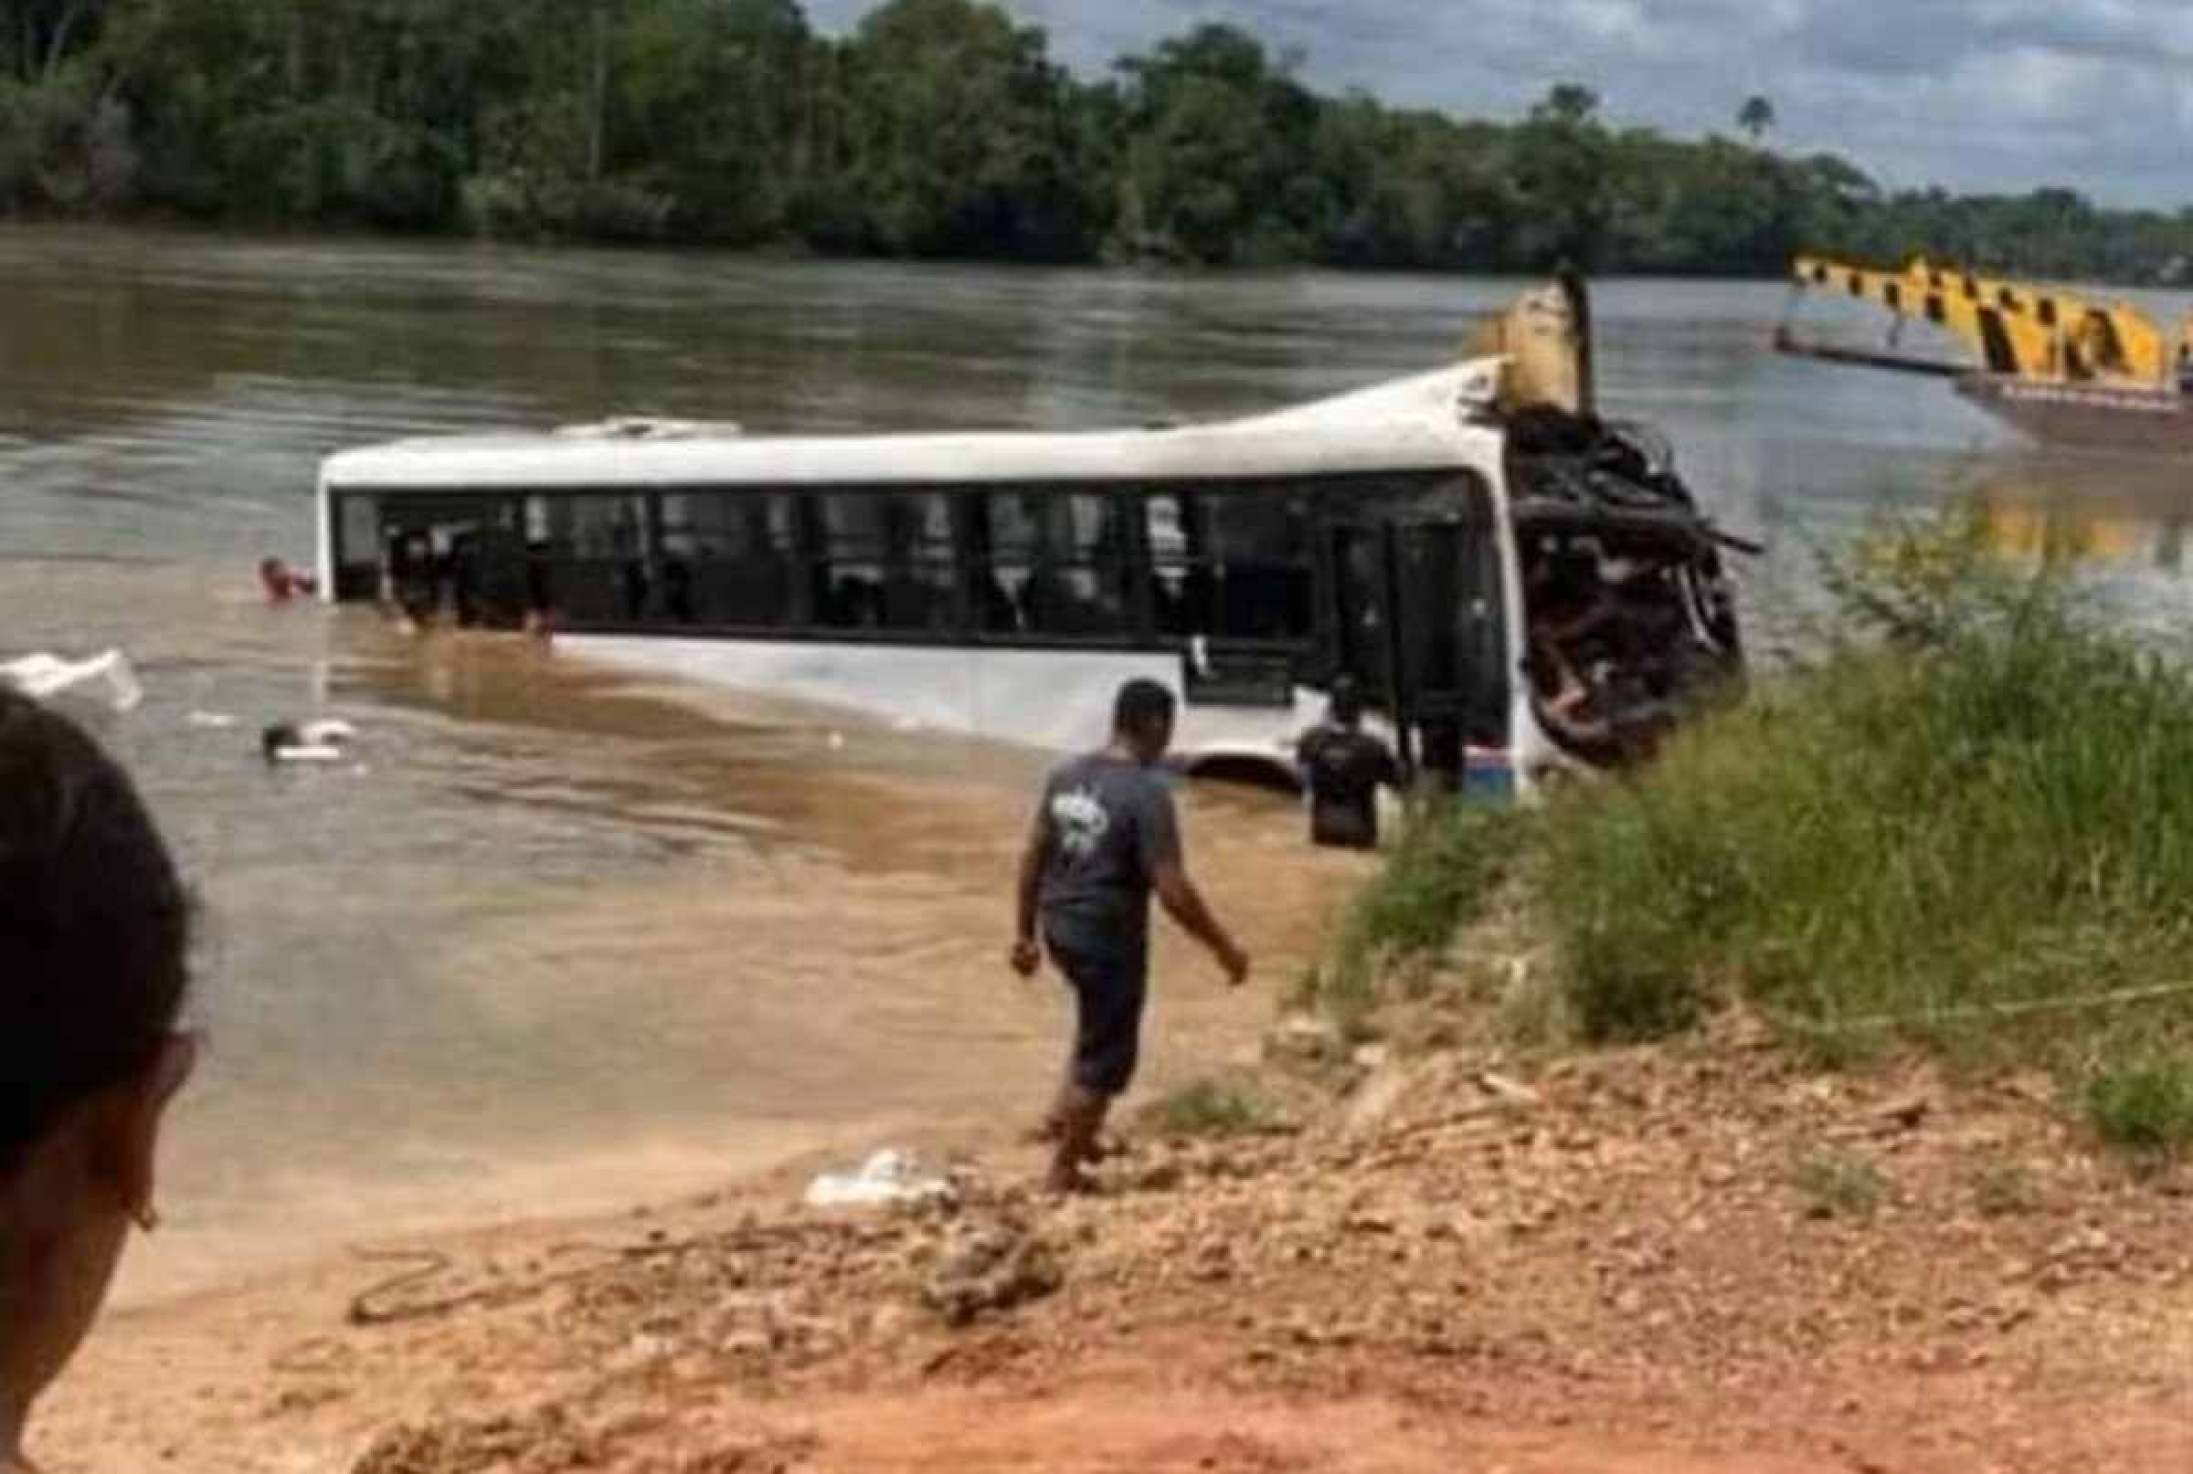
1050 564
847 571
727 557
887 562
921 569
1179 577
597 561
1235 565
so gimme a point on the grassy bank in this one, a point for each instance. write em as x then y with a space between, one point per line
1966 820
1435 881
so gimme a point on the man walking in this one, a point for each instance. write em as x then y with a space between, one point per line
1106 836
1344 767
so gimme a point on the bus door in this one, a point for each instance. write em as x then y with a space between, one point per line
1416 625
1425 566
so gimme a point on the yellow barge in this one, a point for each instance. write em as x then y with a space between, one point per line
2054 362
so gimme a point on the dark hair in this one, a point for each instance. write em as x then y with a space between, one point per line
1347 699
94 923
1141 706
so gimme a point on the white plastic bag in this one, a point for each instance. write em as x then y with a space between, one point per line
887 1177
43 676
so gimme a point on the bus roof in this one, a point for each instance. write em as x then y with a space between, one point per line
1410 424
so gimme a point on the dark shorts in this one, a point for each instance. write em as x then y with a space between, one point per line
1344 824
1111 984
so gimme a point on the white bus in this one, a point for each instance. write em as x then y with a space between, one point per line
1406 536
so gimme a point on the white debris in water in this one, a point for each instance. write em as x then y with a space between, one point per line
211 721
323 741
887 1177
43 676
308 754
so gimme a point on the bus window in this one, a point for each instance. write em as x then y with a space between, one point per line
1051 564
590 560
887 562
453 556
1232 565
728 558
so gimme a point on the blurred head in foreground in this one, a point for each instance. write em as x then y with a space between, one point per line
94 927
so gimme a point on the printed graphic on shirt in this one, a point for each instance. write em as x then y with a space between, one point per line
1081 820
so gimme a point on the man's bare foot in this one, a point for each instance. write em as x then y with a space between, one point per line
1050 1130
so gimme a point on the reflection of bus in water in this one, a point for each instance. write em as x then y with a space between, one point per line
1508 589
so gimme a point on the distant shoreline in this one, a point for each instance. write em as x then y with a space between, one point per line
941 130
306 233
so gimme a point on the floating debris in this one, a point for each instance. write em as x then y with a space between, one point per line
43 676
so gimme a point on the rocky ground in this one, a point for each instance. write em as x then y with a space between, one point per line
1701 1258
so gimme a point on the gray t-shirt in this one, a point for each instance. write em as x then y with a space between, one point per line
1110 824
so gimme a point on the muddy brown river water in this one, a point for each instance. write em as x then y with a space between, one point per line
558 941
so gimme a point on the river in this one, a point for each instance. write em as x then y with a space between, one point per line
557 942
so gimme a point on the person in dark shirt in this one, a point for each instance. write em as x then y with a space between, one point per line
1344 767
1105 837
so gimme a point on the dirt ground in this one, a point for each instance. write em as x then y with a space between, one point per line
1682 1260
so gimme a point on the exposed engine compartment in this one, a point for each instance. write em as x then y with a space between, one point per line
1631 619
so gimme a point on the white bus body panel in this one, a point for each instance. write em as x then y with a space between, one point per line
1058 699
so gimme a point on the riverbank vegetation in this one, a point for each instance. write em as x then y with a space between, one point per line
1964 822
936 128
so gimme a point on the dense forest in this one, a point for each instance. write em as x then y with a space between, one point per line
938 128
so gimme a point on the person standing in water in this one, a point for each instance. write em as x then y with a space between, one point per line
94 930
1344 767
1105 837
282 583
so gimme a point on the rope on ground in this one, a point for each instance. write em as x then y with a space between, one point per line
1982 1011
426 1265
371 1306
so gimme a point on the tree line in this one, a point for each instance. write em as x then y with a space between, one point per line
937 128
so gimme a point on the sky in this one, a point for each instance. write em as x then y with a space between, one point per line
1970 94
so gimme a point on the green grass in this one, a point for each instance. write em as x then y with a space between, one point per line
1838 1185
1963 821
2145 1108
1972 811
1434 882
1210 1108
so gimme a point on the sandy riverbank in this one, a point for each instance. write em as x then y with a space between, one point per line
1630 1262
561 942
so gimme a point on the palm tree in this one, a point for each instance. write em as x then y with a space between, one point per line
1756 117
1568 103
